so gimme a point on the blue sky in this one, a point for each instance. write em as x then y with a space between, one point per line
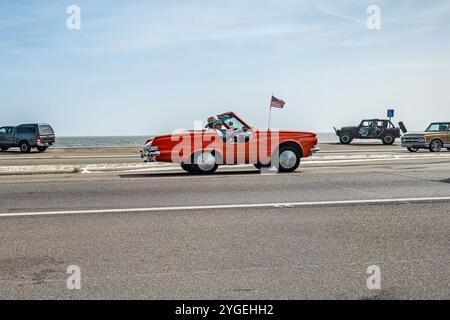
148 67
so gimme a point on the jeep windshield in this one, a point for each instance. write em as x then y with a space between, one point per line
438 127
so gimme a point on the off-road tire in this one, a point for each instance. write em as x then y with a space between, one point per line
388 139
345 138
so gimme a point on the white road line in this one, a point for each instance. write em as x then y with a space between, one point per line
228 206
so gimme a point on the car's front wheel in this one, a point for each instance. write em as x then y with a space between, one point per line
24 147
205 163
436 145
288 159
410 149
345 139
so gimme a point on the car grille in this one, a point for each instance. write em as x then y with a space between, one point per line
413 140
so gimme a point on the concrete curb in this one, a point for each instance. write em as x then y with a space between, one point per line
105 167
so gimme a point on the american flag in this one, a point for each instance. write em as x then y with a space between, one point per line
277 103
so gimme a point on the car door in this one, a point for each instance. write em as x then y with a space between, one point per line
447 135
3 136
9 138
365 129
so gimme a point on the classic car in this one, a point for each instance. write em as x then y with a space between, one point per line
434 138
380 129
229 140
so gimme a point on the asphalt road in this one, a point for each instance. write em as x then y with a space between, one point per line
232 249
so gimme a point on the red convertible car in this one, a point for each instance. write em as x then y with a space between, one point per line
228 140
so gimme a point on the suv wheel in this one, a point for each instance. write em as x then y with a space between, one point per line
24 147
388 139
413 149
435 145
345 138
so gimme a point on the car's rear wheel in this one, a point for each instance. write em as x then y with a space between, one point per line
42 149
388 139
205 163
4 148
345 138
436 145
412 149
24 147
188 168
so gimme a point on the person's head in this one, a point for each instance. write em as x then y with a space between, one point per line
211 121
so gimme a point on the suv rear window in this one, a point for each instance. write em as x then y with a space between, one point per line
45 129
26 130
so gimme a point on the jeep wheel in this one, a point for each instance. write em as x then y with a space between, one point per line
42 149
413 149
188 168
388 139
24 147
435 145
205 163
345 139
4 148
288 159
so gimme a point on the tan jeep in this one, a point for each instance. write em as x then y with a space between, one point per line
435 137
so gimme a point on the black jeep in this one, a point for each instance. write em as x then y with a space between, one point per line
383 130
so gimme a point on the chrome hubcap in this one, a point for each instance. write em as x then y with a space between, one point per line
345 138
288 159
206 161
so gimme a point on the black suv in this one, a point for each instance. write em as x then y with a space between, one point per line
383 130
26 137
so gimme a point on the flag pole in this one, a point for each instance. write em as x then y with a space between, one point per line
270 112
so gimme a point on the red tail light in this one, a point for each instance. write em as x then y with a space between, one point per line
38 138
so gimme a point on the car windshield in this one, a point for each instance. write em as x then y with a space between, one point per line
233 123
437 127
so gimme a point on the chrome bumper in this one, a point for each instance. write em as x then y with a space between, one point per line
315 150
149 156
415 145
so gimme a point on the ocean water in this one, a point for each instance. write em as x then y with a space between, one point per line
137 141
